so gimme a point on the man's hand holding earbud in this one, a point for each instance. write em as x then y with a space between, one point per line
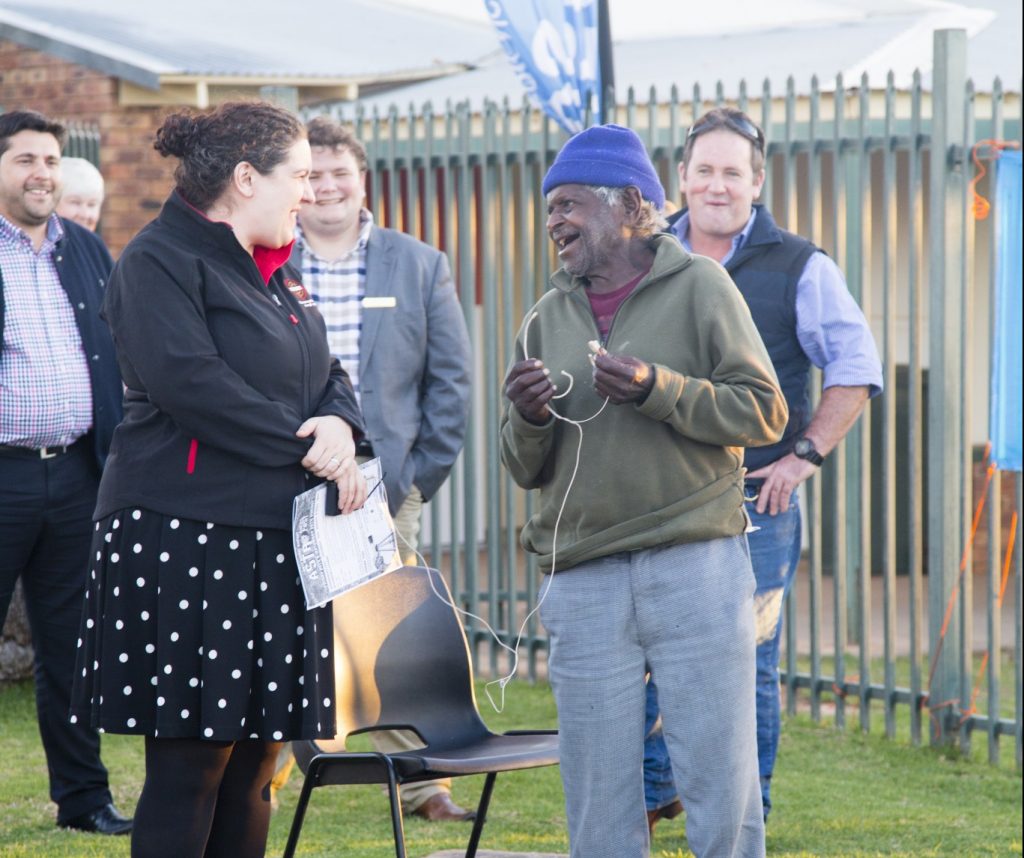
622 378
528 387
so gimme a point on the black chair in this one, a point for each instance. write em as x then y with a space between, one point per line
402 662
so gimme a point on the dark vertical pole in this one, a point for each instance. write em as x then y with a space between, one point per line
606 66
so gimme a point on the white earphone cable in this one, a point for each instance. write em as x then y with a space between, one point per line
514 650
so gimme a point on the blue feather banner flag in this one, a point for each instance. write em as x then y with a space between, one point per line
553 46
1005 412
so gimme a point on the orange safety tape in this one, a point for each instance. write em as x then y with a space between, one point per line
972 709
1009 558
839 691
955 593
932 710
981 207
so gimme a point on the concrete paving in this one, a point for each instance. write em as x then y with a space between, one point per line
979 637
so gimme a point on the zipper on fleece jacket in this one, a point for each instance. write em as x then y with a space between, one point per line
291 316
303 345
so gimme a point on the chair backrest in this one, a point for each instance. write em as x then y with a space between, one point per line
402 661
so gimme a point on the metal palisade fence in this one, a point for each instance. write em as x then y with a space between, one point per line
83 141
897 566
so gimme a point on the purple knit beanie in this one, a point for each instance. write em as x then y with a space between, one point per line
609 156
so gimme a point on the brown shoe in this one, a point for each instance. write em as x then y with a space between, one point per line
440 808
669 811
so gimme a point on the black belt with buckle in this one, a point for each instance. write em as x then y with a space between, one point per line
35 452
364 448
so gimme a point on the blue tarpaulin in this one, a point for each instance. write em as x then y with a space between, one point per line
1007 354
553 47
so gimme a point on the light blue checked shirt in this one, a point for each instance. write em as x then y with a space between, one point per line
45 391
831 328
338 287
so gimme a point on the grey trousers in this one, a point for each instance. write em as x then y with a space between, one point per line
685 612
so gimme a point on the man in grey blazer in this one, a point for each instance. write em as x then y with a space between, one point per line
394 322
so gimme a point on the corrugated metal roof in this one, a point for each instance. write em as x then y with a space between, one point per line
369 40
308 38
798 51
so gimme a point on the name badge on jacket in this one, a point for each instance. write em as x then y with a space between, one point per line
379 302
300 293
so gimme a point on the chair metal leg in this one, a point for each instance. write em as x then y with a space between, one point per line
397 826
300 809
481 815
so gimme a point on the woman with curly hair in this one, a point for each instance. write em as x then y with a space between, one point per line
194 632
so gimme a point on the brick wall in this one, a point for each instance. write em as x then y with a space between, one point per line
137 178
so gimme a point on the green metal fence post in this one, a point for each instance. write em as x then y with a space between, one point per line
491 184
674 147
945 394
860 471
915 435
888 452
857 244
785 213
966 606
465 195
992 594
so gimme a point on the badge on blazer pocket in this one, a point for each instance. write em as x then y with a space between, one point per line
379 302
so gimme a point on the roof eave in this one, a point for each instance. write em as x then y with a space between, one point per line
149 78
307 80
205 90
167 85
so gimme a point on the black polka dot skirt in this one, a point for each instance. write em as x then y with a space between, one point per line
198 630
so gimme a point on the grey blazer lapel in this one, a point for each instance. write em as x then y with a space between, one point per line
380 263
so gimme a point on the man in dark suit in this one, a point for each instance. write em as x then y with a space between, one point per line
60 399
394 322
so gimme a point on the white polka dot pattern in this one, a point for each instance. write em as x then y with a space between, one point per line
193 629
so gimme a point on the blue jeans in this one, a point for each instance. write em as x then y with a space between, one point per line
774 553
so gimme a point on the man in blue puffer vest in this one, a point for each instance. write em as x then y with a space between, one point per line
805 315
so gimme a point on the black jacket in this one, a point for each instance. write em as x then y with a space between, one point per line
83 265
221 370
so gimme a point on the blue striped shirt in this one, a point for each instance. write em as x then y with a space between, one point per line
45 391
831 327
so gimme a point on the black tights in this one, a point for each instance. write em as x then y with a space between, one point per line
204 799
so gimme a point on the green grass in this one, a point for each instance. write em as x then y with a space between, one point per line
837 793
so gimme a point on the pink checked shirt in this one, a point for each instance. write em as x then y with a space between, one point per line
45 391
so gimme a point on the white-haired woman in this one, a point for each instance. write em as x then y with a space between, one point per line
83 192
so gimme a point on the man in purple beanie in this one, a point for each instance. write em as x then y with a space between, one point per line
662 380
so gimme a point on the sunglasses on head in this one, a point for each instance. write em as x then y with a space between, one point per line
740 124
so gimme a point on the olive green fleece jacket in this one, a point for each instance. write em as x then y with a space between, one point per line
670 469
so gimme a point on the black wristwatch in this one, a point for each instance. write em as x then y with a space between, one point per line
804 449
